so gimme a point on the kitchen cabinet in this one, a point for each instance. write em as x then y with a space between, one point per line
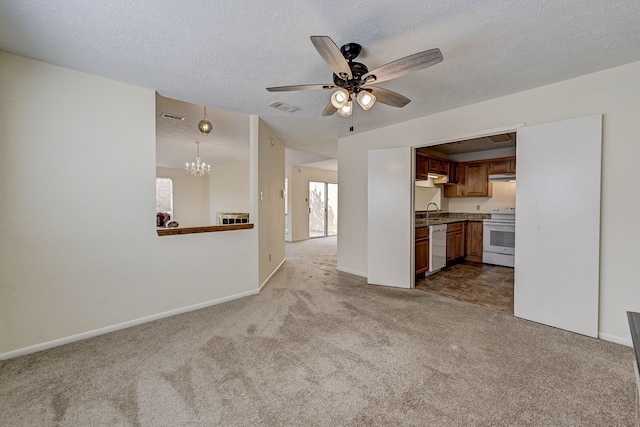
422 166
452 173
474 241
457 189
477 182
455 242
473 181
438 166
427 164
502 166
422 250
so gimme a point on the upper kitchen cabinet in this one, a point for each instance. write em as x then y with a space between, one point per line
438 166
504 165
473 181
427 164
477 182
453 174
422 166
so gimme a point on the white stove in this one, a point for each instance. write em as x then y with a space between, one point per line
499 237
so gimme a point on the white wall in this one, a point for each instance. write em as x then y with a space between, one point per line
298 198
229 189
270 199
190 197
614 92
79 253
426 195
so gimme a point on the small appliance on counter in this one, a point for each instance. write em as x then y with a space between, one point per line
499 237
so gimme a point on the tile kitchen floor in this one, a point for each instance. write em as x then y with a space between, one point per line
484 284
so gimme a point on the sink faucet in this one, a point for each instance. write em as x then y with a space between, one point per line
434 204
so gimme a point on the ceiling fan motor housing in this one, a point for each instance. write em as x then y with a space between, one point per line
357 70
351 51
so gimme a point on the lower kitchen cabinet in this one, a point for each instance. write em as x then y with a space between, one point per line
474 241
455 242
422 250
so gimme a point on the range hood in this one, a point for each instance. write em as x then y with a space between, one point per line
503 177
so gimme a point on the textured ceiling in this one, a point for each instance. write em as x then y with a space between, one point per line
224 54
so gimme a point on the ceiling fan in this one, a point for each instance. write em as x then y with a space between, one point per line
354 78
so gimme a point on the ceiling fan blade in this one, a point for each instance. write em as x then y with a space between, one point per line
332 56
403 66
329 110
389 97
299 87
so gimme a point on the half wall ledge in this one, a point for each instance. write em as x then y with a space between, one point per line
205 229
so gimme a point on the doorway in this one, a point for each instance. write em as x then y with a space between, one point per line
323 209
480 177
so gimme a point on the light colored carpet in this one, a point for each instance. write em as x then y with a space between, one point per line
322 348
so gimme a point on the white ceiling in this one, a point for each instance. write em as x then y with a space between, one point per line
224 54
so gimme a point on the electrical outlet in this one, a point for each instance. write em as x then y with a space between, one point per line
477 207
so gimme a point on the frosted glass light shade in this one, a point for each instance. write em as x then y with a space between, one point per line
346 109
340 98
366 99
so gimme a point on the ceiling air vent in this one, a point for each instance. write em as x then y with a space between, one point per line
284 107
171 116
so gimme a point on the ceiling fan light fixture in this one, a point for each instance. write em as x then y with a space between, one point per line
346 110
340 98
366 99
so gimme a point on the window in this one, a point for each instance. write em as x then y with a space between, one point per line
164 195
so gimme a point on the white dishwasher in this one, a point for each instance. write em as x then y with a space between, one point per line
437 247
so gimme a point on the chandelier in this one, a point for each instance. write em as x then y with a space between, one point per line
198 168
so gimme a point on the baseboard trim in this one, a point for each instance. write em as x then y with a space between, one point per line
90 334
355 273
616 339
271 275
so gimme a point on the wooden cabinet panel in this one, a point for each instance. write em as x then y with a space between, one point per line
422 166
426 164
438 166
477 180
457 190
451 242
499 166
502 165
452 173
455 242
422 254
474 241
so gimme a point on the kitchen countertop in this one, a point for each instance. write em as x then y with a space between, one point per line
436 218
437 221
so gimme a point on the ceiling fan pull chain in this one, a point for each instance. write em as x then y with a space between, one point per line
351 127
